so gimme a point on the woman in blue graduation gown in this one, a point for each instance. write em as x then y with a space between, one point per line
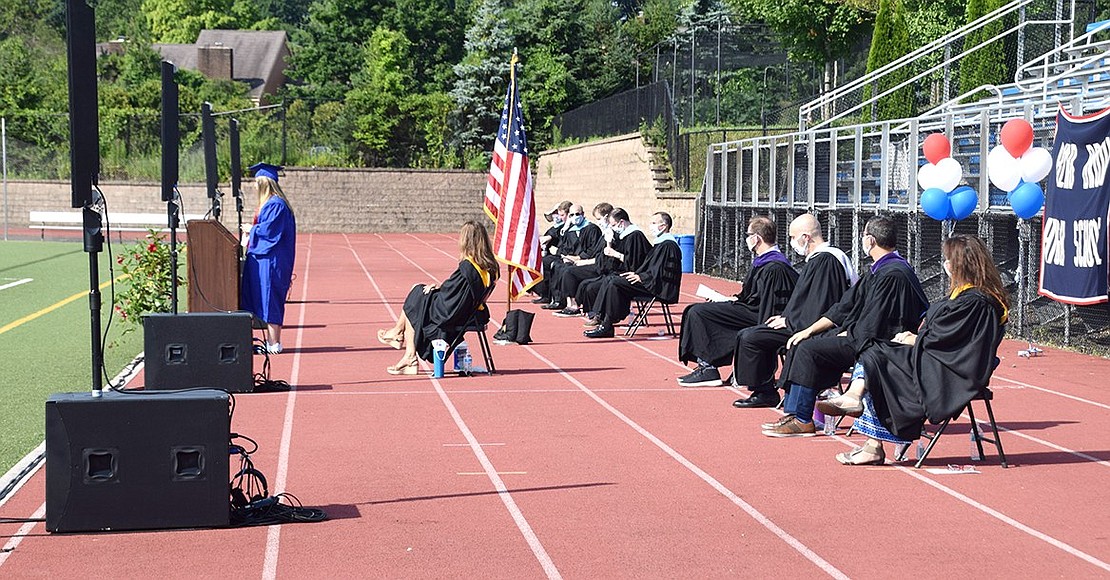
442 311
268 267
933 374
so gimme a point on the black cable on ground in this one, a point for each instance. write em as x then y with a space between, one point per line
262 381
251 502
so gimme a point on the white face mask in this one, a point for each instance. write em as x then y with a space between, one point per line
751 241
866 248
658 229
799 247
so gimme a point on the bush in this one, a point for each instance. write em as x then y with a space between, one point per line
147 264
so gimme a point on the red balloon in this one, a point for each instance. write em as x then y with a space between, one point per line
936 147
1017 137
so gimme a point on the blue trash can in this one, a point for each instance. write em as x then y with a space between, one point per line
686 244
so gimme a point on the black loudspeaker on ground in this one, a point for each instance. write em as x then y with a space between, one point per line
209 349
132 461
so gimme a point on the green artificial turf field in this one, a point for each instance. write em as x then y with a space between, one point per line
45 346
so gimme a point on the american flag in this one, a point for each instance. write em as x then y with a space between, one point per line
509 201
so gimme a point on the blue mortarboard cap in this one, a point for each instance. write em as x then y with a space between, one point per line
265 170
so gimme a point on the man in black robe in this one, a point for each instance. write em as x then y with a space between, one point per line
594 264
709 328
886 301
580 240
660 276
826 274
624 253
550 242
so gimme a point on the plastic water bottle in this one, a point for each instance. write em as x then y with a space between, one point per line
975 456
461 352
830 426
467 364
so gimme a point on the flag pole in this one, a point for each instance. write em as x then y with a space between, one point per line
512 110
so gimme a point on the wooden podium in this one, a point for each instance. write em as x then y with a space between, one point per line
212 260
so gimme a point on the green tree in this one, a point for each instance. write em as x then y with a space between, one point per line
375 100
889 41
328 48
819 31
180 21
482 79
987 65
435 31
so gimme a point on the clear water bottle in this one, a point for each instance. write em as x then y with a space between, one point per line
468 364
830 426
975 456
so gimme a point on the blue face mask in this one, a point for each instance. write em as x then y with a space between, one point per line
578 220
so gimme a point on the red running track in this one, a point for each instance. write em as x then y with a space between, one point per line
585 459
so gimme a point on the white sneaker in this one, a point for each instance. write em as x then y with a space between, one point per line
273 348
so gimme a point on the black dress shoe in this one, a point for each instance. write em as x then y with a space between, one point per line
603 330
758 399
554 306
541 300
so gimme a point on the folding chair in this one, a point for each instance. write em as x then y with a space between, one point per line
644 303
985 395
483 342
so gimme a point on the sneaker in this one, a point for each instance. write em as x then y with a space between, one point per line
568 312
274 348
554 306
792 428
780 421
702 377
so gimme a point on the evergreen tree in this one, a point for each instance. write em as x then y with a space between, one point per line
986 66
328 49
889 41
482 79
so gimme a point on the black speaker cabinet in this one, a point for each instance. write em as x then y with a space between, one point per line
198 349
134 461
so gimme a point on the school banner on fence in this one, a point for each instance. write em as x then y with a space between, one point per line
1074 242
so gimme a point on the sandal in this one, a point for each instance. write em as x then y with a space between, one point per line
860 456
841 405
403 367
388 339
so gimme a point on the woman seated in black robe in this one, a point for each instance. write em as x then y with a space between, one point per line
932 375
443 311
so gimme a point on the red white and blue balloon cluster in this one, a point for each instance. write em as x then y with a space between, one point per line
1016 167
943 196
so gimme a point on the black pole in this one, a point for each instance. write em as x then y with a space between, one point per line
94 242
237 183
173 216
284 133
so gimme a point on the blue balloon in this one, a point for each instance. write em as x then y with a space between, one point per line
935 204
964 200
1027 200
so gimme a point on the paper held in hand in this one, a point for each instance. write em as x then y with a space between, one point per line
712 295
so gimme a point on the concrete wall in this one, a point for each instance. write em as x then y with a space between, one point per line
324 200
617 170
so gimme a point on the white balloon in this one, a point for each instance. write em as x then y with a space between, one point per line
949 174
1003 170
1035 164
927 176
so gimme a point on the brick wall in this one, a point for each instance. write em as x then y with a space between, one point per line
324 200
616 170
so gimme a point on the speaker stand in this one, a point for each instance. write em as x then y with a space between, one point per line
93 238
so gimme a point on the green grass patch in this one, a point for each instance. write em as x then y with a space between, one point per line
51 352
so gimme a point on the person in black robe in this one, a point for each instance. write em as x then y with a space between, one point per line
660 276
627 253
935 373
580 240
443 311
624 251
826 274
886 301
550 242
589 265
709 328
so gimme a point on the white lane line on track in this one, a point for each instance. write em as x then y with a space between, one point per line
755 514
21 533
16 283
1049 444
494 392
490 471
468 444
971 502
273 533
1051 392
